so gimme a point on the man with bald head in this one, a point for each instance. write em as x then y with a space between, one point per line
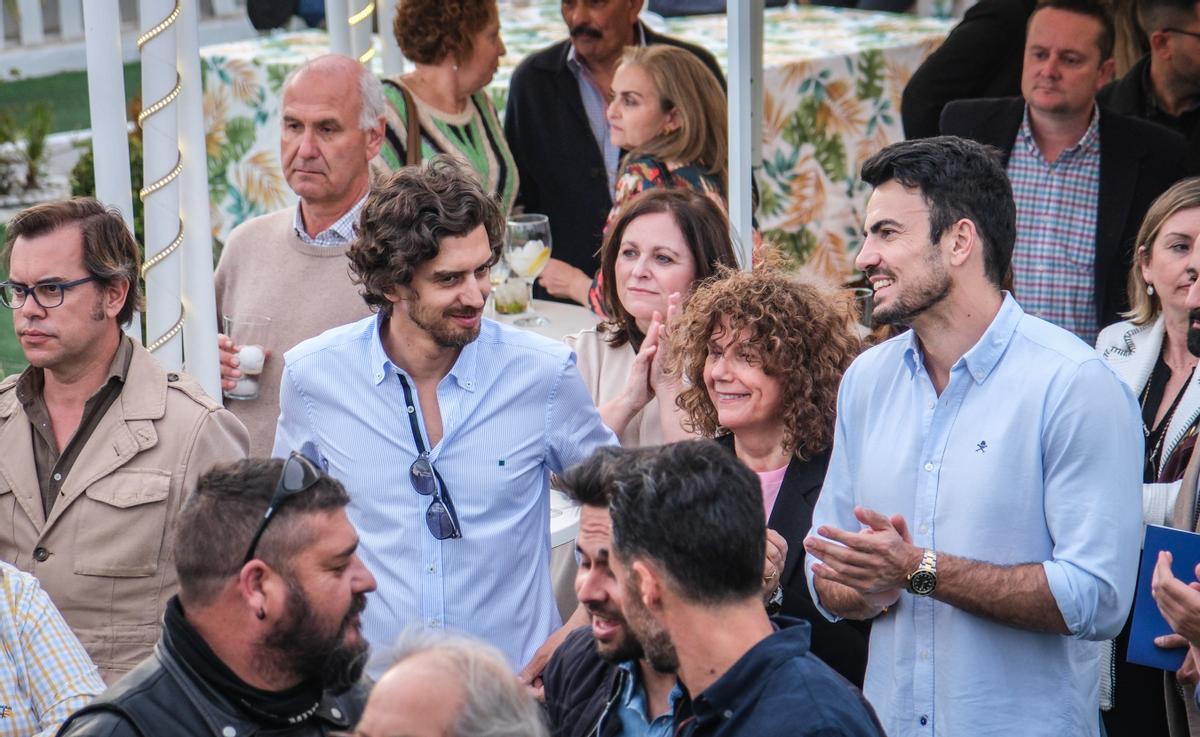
449 686
331 127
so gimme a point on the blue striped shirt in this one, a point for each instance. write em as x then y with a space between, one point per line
45 674
1031 454
1054 259
513 408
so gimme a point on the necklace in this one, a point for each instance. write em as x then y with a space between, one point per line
1154 459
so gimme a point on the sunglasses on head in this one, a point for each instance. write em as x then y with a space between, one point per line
300 473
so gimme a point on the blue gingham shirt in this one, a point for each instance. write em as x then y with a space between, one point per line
343 231
1032 453
595 107
1054 260
45 674
514 408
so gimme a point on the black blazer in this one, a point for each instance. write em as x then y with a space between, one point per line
560 165
842 645
981 57
1138 161
1127 96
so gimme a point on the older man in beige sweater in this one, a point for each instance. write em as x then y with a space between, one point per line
290 266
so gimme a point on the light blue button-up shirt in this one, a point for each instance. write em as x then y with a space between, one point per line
632 707
1032 453
514 408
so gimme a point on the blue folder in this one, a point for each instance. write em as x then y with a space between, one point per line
1148 623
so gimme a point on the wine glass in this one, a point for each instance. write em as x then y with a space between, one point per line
526 250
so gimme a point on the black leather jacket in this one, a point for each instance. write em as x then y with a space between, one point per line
163 696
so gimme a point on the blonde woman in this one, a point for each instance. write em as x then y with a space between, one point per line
1149 351
669 112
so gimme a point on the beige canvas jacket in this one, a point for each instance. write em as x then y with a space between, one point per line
105 555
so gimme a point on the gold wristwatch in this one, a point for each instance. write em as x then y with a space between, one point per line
923 581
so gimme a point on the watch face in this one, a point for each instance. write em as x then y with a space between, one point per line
922 583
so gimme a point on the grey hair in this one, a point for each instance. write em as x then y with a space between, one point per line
370 90
494 703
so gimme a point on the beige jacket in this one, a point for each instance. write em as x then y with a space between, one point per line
106 553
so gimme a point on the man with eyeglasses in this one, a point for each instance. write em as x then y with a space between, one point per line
1164 85
444 426
265 634
98 443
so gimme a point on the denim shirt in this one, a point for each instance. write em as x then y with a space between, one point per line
631 708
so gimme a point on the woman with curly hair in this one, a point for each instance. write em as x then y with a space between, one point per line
441 105
763 353
663 243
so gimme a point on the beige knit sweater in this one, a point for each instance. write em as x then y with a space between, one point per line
267 270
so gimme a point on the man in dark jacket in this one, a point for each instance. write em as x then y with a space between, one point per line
980 58
1082 177
264 634
1164 85
556 127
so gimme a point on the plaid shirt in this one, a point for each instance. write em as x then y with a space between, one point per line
45 674
1054 261
343 230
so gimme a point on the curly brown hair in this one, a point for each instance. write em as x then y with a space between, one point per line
429 31
406 217
801 332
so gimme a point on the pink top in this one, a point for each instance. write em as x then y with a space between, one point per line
771 481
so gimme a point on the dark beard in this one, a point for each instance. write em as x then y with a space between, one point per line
443 333
907 307
299 646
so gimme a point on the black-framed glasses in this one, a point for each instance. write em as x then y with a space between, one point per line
440 517
300 473
1193 34
46 295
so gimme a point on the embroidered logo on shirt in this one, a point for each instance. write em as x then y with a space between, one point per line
500 462
982 447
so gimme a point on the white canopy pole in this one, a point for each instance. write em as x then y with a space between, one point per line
160 193
336 12
743 74
110 129
361 13
201 359
393 59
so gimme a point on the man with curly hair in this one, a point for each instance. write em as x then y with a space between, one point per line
443 426
983 499
331 128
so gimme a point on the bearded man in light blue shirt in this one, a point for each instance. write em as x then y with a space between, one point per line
983 499
443 426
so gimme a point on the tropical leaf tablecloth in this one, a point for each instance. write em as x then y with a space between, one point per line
832 83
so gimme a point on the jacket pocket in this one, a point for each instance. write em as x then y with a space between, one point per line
120 524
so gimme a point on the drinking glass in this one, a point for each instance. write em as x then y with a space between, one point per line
526 250
249 332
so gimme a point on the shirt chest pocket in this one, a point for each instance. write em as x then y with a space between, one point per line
121 524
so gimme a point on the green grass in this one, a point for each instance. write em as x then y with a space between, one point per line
11 357
66 93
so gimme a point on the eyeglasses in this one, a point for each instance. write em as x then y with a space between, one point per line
440 517
299 474
46 294
1193 34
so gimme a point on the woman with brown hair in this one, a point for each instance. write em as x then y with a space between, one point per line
662 244
441 105
763 354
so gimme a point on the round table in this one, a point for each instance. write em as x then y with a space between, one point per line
565 319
